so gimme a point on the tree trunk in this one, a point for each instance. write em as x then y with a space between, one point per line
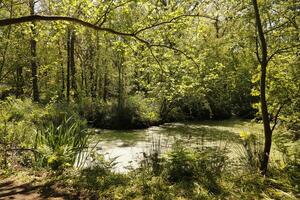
97 68
71 70
105 83
264 107
68 66
20 81
62 72
72 63
91 63
118 63
34 73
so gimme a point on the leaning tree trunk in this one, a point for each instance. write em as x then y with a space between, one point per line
34 66
264 108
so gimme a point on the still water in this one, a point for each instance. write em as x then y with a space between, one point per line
128 147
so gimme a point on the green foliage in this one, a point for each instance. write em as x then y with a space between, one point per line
30 130
154 62
250 151
181 164
195 108
60 145
203 166
289 162
135 112
18 120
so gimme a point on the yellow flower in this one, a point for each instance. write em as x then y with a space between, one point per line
244 135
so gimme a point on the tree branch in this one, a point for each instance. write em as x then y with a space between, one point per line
104 16
30 18
256 52
276 27
156 59
166 46
282 50
276 117
172 21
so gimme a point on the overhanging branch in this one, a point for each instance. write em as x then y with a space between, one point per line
283 50
30 18
172 21
149 45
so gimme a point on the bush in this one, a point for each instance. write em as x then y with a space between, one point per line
203 166
135 112
18 120
289 149
180 164
195 108
250 152
59 145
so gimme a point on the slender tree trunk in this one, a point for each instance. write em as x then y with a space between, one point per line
264 107
119 83
72 63
97 68
91 55
82 76
119 64
62 73
71 70
68 66
85 79
34 66
20 81
106 83
91 81
99 84
217 26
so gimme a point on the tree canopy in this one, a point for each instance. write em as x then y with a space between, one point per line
155 61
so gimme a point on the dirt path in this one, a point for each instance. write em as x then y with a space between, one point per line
11 189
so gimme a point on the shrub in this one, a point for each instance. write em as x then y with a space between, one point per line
180 164
18 120
134 112
195 108
250 152
59 145
203 166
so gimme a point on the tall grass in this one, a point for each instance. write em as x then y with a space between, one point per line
60 144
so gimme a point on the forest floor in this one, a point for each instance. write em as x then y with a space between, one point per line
13 188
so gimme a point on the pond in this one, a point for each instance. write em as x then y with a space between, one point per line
128 147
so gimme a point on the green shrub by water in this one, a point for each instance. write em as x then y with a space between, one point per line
34 135
134 112
60 145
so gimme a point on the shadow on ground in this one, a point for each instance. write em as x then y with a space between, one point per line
11 189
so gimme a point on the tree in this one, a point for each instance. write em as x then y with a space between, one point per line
171 51
71 70
34 66
286 41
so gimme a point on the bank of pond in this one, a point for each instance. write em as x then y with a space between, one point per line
212 159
